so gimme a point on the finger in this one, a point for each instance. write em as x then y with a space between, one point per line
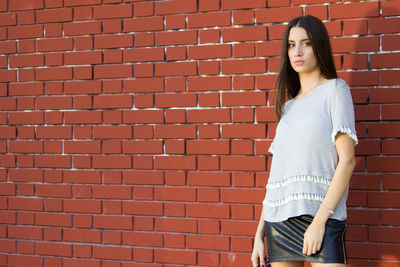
262 260
319 247
309 249
314 249
305 248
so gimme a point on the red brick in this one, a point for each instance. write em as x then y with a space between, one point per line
238 228
354 10
34 60
204 242
8 19
142 147
176 225
112 162
143 116
143 208
82 235
55 73
209 51
144 54
24 232
26 5
175 194
176 37
390 217
112 132
83 58
209 36
360 44
25 146
26 118
175 22
82 117
209 83
82 147
113 101
8 76
208 179
207 147
112 71
81 2
55 44
82 206
243 17
113 41
112 222
25 203
215 211
383 164
143 239
54 15
175 256
211 19
112 192
54 190
278 14
54 249
243 66
25 175
237 4
143 24
143 9
253 33
390 181
175 131
80 87
175 7
113 11
25 260
54 219
248 196
53 161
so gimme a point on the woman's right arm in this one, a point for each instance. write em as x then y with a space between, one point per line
257 257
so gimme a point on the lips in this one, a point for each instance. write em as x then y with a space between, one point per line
298 62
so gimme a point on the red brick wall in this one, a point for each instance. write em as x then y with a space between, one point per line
135 133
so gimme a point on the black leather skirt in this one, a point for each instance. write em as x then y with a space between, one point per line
285 241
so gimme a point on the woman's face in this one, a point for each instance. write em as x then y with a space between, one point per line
300 51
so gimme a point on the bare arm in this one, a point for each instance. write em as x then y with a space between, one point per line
257 257
341 178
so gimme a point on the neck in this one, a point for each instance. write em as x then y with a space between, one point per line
309 81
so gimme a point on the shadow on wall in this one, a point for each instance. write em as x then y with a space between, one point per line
369 73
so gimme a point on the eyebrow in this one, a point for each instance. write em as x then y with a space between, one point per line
307 39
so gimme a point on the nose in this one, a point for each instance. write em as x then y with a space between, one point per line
298 50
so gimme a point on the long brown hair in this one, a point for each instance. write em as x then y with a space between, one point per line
288 78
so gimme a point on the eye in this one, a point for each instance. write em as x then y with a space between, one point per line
308 43
291 45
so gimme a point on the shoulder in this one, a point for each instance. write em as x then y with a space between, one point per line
338 87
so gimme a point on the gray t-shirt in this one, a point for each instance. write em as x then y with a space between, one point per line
304 152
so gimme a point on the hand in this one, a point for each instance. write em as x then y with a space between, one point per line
313 238
257 257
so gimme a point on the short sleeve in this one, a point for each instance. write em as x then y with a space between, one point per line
271 148
342 111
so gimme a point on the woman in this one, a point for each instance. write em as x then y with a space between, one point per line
304 209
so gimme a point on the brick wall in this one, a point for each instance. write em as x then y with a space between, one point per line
135 133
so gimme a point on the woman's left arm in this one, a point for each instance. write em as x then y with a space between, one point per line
315 232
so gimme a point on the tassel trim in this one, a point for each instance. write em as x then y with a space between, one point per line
293 197
299 178
346 130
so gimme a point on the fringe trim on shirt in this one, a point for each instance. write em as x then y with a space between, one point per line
292 197
346 130
299 178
